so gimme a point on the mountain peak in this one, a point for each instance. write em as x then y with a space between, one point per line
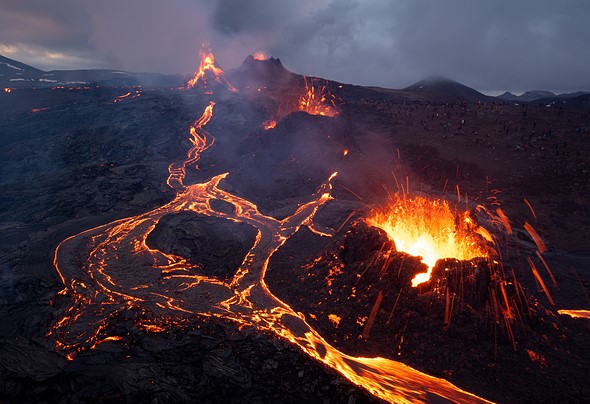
15 65
255 72
436 79
536 94
447 89
252 60
508 96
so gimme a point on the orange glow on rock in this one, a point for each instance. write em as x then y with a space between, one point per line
431 229
269 124
7 90
259 56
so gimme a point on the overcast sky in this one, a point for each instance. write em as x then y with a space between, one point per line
489 45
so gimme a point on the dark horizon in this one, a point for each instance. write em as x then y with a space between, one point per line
432 77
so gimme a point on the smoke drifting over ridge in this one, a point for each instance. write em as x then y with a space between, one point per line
495 46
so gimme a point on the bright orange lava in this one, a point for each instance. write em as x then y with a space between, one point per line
316 100
7 90
269 124
126 96
259 56
208 65
575 313
430 229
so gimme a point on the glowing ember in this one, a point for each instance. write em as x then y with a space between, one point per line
269 124
430 229
316 100
259 56
208 65
7 90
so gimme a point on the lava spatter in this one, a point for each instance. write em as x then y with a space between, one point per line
429 228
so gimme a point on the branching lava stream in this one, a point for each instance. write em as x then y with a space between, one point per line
110 269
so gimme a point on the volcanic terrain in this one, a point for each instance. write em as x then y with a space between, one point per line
160 228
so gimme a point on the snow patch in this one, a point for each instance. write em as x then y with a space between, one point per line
48 81
76 82
17 80
11 66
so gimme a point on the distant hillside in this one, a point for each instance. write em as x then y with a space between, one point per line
572 95
15 74
447 89
536 95
508 96
578 101
541 96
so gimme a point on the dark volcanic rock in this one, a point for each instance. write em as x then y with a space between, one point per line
342 278
285 165
260 73
448 90
210 362
468 279
217 246
72 160
355 290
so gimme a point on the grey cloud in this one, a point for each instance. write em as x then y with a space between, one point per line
501 45
59 24
233 17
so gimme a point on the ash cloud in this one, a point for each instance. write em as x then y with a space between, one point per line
491 46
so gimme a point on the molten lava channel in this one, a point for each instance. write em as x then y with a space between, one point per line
430 229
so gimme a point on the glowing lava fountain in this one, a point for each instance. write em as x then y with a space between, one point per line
316 100
430 229
110 270
208 65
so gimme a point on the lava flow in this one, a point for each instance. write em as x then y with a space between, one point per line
575 313
430 229
109 270
127 96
